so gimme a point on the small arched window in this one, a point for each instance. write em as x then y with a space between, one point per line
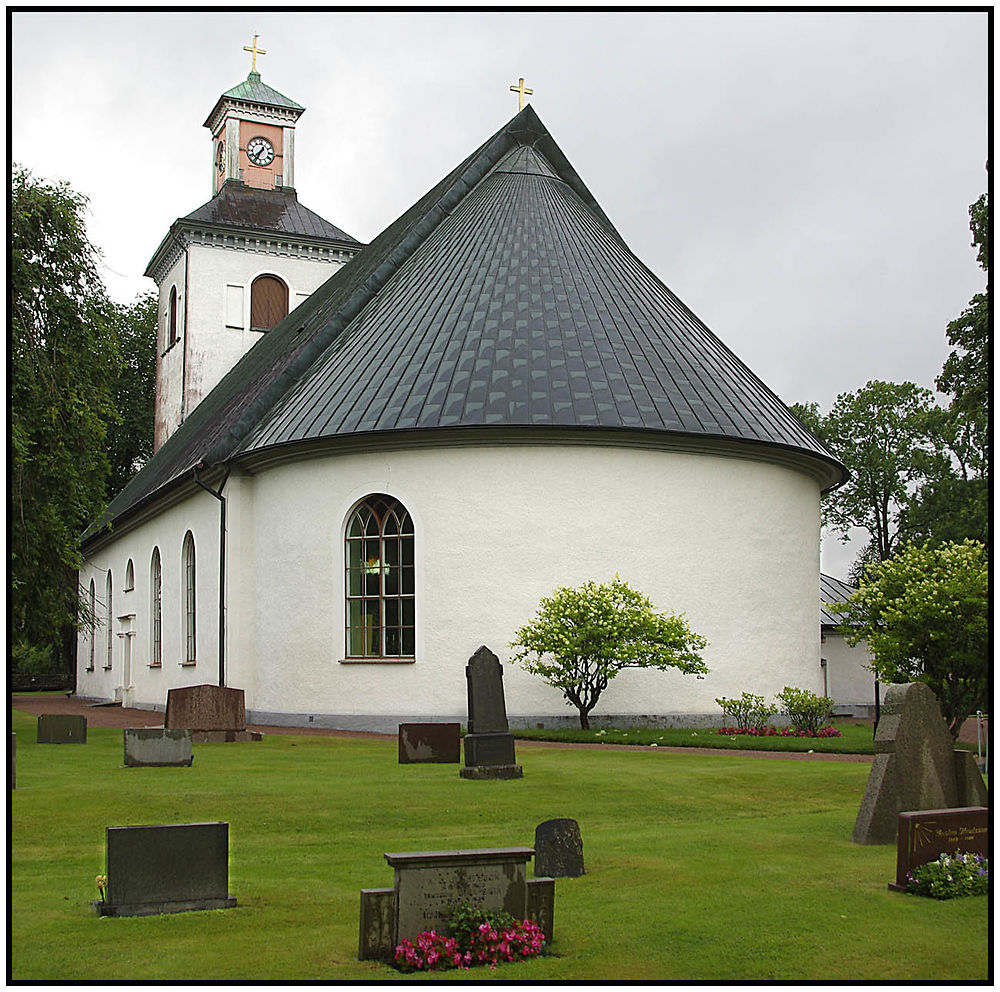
129 577
172 334
268 302
92 625
107 622
190 600
155 613
381 605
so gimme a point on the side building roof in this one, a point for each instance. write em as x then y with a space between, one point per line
503 298
832 590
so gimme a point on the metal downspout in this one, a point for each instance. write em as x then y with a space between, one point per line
222 565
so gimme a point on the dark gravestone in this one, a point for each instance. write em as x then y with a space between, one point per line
916 766
378 925
156 747
924 834
541 904
210 712
430 742
62 728
489 745
167 868
558 849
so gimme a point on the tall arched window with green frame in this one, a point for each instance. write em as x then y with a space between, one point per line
381 600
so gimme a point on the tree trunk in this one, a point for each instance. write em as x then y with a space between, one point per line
584 719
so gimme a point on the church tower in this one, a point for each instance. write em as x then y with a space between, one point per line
232 269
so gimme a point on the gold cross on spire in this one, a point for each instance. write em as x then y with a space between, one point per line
521 93
255 51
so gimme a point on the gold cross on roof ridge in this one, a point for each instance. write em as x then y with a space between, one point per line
521 93
255 51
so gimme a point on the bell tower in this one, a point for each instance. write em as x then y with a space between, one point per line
232 269
253 133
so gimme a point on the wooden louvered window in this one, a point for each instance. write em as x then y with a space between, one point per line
381 598
268 302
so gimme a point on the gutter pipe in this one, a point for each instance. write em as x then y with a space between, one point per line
222 564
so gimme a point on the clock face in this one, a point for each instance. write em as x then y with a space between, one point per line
260 151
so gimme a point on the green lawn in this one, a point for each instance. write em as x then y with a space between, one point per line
699 867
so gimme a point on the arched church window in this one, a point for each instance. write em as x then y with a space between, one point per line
190 600
129 577
108 624
92 625
380 580
172 334
155 615
268 302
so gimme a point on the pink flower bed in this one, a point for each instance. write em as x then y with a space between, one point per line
775 732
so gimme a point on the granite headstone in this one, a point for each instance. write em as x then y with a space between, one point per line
430 742
156 747
558 849
167 868
210 712
489 745
62 728
916 766
924 834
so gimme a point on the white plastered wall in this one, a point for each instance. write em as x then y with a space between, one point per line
147 686
730 542
216 344
849 681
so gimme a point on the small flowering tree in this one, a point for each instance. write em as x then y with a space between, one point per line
925 616
582 638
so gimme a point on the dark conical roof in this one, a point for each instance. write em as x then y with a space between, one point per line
503 298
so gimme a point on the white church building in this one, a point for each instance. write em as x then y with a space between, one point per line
374 459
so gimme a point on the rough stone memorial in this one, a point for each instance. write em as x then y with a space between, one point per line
916 766
430 883
924 834
210 712
156 747
430 742
166 868
489 745
558 849
62 728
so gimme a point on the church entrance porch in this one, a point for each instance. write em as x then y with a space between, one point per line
125 690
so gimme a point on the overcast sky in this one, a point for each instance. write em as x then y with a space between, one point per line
800 180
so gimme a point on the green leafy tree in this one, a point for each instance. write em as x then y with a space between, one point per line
581 638
881 433
129 442
925 616
62 360
966 372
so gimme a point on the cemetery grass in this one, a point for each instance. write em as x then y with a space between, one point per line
699 867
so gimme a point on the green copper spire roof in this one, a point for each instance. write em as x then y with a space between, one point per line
259 92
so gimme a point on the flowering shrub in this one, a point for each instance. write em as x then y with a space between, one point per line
805 709
747 711
474 937
770 731
951 875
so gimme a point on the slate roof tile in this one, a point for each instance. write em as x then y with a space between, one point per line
508 259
